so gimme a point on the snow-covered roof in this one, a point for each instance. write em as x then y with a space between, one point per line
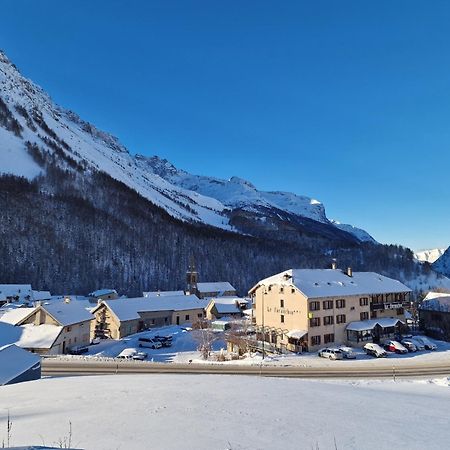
226 305
16 290
436 301
318 283
297 334
370 324
41 295
216 286
38 336
163 293
100 292
14 361
68 313
15 315
129 308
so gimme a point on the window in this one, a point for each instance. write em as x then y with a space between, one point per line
340 318
328 304
186 317
281 289
69 328
282 318
364 315
281 303
327 338
400 311
363 301
314 306
292 290
165 319
340 303
200 315
315 340
75 340
373 314
328 320
314 322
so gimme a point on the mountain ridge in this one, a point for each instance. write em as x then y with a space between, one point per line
224 204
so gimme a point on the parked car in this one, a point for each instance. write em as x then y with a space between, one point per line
166 341
395 347
96 341
140 356
409 344
127 353
331 353
149 343
347 352
375 350
426 342
78 350
419 345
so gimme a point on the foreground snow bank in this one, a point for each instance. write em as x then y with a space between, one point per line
227 412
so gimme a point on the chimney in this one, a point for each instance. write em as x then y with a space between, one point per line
334 264
349 271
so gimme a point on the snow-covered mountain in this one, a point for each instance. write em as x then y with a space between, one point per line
442 264
429 256
27 114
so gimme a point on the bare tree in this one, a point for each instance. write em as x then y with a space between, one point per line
205 337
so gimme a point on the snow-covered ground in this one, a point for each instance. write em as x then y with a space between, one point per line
184 349
218 412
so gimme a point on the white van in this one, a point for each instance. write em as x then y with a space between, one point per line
127 353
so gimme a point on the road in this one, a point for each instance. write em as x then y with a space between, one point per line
82 367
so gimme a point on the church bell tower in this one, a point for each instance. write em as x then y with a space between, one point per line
191 278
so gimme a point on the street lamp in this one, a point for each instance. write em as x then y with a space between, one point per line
264 292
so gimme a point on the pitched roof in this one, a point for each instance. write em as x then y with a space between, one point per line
16 290
317 283
436 301
68 313
370 324
226 305
15 315
129 308
101 292
38 336
14 361
216 286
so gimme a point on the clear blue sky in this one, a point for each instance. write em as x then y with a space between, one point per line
344 101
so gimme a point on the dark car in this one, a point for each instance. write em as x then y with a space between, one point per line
166 341
78 350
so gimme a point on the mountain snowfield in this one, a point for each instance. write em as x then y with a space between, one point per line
429 256
184 196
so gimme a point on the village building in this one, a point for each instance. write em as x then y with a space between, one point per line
207 289
16 293
56 328
215 289
229 307
122 317
163 293
434 315
307 309
103 294
18 365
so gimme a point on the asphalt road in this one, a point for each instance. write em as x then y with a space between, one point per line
61 367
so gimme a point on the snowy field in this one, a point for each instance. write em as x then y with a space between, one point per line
209 412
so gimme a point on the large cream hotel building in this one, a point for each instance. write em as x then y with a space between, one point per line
307 309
